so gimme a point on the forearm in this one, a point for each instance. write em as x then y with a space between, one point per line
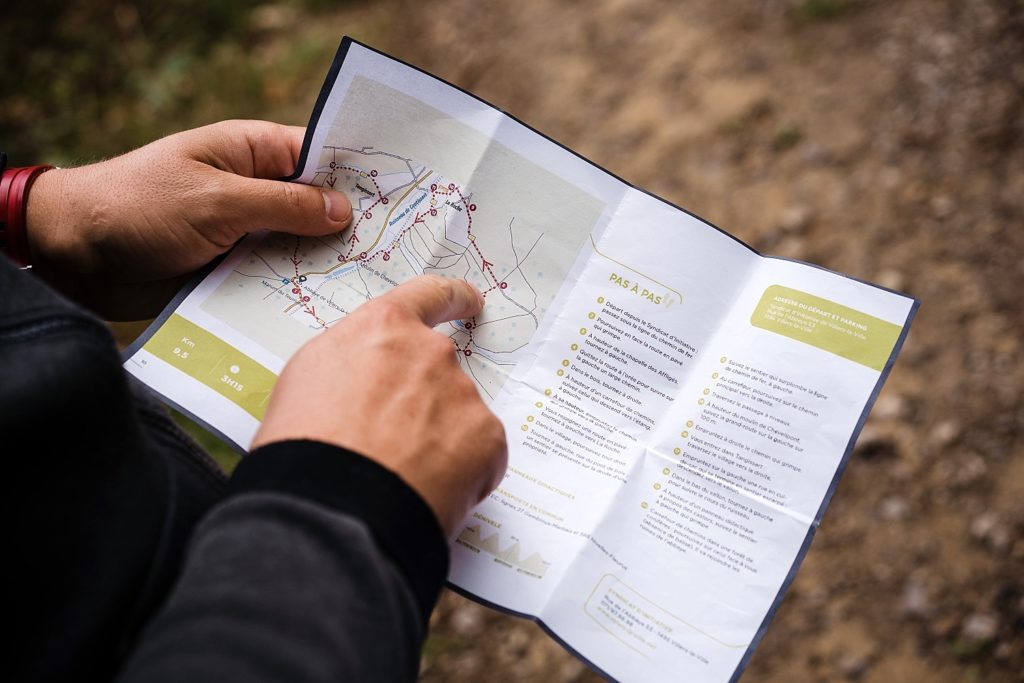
288 582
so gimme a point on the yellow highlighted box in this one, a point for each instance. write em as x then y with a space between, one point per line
827 325
215 363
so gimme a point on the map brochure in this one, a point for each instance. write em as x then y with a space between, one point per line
679 408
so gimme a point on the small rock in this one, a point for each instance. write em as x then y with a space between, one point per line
889 407
979 628
982 525
987 529
571 670
942 205
945 433
795 219
894 508
971 468
915 600
852 665
466 620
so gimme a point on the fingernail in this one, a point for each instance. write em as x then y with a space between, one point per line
337 206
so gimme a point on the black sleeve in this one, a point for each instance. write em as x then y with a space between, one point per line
320 565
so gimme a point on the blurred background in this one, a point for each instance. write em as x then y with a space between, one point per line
881 139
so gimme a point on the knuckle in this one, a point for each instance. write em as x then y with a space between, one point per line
439 348
292 196
384 311
209 202
442 287
466 388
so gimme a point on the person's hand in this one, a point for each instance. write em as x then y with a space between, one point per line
166 209
384 384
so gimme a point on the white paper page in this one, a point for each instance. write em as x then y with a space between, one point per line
697 547
651 294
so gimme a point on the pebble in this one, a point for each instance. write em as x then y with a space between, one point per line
970 469
979 628
795 219
466 620
852 665
982 525
915 601
987 529
945 433
894 508
889 407
942 206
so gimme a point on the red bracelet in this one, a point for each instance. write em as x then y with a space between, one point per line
14 186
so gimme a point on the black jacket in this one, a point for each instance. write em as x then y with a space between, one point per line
133 557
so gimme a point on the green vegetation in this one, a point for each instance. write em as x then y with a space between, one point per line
86 80
819 10
786 137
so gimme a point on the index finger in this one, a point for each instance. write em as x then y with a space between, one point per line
434 299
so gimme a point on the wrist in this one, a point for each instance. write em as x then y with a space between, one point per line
16 185
48 241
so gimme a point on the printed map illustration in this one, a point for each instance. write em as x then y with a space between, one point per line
413 216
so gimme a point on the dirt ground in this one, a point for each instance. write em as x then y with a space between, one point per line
881 139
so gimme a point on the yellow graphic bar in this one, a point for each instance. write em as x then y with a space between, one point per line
827 325
215 363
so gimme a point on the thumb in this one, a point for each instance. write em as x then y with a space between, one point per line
299 209
434 299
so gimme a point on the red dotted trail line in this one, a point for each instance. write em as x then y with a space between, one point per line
487 267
